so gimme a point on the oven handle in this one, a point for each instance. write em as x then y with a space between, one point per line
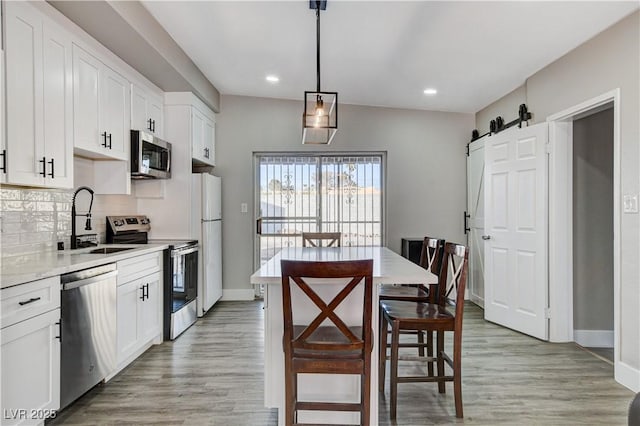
182 252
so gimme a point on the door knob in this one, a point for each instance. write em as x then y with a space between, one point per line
486 237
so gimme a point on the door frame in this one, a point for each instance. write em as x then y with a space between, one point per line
561 217
471 283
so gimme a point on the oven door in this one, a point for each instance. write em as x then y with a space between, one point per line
184 278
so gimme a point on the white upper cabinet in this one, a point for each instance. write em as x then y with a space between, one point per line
203 138
39 100
102 102
146 111
3 146
202 125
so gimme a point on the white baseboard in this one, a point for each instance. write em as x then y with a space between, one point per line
627 376
238 294
594 338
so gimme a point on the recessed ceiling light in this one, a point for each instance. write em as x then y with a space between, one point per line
272 78
430 91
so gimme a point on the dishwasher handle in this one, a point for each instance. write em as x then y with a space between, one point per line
97 278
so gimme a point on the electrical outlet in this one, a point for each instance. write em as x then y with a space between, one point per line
244 208
630 203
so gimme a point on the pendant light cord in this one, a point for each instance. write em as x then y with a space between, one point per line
318 40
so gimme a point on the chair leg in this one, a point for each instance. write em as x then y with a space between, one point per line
365 394
457 369
395 338
290 397
440 359
382 353
420 334
430 352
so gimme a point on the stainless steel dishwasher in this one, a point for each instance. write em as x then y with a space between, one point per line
88 330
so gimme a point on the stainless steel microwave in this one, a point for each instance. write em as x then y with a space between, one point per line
150 156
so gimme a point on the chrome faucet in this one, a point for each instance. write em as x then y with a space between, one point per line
87 227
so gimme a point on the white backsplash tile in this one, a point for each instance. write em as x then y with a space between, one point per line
34 220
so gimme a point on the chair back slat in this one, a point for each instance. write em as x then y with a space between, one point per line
453 276
431 254
316 239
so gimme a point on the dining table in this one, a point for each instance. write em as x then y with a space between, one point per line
388 268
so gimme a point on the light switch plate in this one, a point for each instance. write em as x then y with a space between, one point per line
243 208
630 203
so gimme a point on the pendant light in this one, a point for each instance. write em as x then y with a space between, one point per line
320 117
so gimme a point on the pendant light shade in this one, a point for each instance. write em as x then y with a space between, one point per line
320 116
320 120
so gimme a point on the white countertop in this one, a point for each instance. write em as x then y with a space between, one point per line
21 269
388 267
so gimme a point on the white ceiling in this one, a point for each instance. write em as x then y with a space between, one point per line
382 53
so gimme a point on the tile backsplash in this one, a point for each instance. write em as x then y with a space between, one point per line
33 220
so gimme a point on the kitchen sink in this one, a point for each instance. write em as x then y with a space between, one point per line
107 250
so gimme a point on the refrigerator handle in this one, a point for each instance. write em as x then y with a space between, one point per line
259 226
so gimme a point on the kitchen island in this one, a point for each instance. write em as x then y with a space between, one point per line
388 268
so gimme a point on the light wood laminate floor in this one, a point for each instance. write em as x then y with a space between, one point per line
213 375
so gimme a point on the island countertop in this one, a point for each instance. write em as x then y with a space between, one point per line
388 267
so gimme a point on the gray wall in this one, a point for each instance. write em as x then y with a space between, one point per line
426 183
608 61
593 222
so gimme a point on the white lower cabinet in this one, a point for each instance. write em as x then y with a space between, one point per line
127 319
139 306
139 318
30 352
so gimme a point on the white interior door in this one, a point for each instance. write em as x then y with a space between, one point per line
475 222
516 229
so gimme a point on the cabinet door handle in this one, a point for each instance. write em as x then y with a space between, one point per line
26 302
486 237
109 140
44 166
206 153
59 336
4 161
52 174
147 290
142 289
149 127
154 126
104 135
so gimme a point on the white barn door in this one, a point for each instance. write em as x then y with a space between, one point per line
516 229
475 209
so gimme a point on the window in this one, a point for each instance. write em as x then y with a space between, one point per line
325 192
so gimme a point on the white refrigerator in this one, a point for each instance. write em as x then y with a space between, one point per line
206 227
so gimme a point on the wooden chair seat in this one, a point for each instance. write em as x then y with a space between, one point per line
320 343
404 292
409 311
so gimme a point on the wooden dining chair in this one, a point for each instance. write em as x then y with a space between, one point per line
443 316
430 259
326 344
315 239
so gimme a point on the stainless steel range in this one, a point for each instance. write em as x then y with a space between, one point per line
180 270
